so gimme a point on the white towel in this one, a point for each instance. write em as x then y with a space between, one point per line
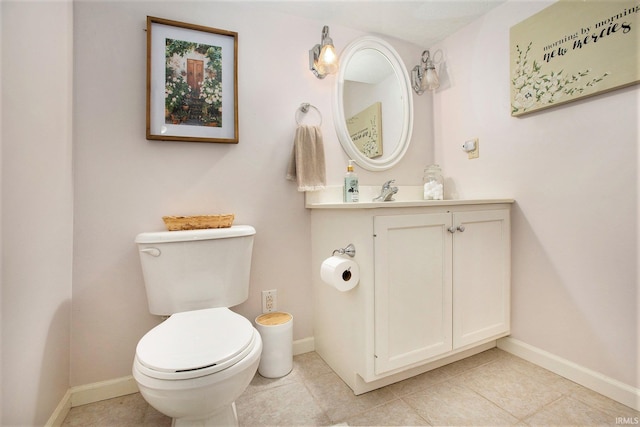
307 166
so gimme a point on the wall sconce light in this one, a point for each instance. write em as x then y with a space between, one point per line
323 59
424 76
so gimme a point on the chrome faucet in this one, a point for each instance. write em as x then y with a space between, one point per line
387 192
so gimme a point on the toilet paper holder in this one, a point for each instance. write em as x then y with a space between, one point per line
349 250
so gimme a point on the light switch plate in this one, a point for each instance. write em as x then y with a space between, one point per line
475 153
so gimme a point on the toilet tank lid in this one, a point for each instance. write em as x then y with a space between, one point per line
189 235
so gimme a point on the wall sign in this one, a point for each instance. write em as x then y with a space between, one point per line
571 50
365 130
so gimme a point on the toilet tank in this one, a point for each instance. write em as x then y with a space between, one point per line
196 269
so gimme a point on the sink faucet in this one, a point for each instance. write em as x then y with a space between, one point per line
387 192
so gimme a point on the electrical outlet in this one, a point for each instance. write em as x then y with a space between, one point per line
269 301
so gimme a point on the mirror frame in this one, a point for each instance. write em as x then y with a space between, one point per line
371 42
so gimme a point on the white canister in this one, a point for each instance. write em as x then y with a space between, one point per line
276 331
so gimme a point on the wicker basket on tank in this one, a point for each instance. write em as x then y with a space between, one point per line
198 222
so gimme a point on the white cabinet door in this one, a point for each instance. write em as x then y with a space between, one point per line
481 276
412 289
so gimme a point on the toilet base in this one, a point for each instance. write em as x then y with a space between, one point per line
225 417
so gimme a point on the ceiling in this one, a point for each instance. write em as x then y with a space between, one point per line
422 22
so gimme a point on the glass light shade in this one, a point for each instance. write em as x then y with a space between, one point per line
430 80
328 60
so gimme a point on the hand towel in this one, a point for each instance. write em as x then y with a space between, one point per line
307 165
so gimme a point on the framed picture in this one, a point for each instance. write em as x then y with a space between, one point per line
572 50
192 82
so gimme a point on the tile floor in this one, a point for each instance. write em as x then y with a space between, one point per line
492 388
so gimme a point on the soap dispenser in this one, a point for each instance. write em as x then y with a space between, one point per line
351 193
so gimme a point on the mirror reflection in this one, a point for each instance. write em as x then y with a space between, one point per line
373 106
372 96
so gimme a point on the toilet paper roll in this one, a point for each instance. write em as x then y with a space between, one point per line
341 273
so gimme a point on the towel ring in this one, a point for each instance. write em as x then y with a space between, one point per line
304 108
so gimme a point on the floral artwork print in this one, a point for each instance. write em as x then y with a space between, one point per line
533 87
193 83
372 147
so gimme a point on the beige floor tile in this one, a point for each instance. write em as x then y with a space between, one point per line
464 365
568 411
288 405
260 383
339 402
540 374
156 419
519 394
310 365
394 413
480 390
450 404
420 382
604 404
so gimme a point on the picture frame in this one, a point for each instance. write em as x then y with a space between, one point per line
573 50
192 82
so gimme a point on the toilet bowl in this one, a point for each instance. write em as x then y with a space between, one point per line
194 365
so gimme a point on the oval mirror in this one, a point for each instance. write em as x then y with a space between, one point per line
373 104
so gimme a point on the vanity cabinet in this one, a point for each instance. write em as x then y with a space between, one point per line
441 283
481 276
412 289
434 286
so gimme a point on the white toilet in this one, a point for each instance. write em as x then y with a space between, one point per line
194 365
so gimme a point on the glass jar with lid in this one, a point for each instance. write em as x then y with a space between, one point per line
433 183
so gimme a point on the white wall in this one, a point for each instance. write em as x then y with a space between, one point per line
573 171
1 238
37 208
124 184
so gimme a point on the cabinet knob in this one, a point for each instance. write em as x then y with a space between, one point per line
461 228
451 230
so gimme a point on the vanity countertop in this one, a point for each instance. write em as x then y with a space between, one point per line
407 196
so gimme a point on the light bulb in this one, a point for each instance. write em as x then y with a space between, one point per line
328 60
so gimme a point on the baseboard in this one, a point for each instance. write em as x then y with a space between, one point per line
91 393
103 390
305 345
613 389
60 413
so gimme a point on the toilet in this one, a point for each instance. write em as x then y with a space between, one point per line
195 364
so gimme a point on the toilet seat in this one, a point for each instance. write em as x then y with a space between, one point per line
195 343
